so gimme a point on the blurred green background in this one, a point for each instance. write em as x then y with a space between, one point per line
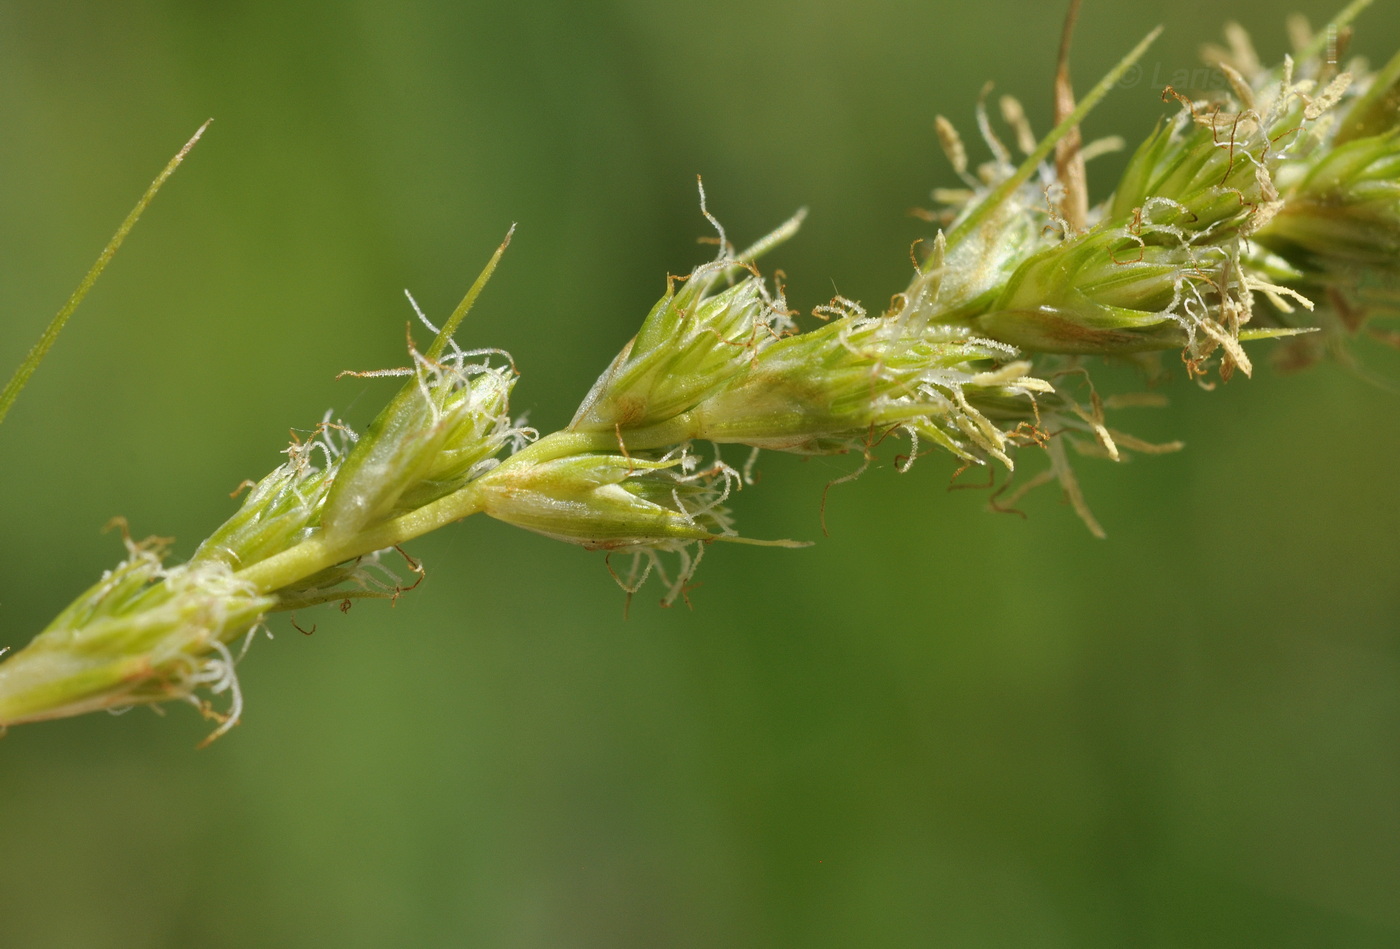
937 727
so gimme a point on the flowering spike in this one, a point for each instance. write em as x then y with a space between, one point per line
1266 213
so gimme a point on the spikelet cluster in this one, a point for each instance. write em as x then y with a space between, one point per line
1270 211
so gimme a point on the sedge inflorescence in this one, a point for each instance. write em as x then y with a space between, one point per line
1272 211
